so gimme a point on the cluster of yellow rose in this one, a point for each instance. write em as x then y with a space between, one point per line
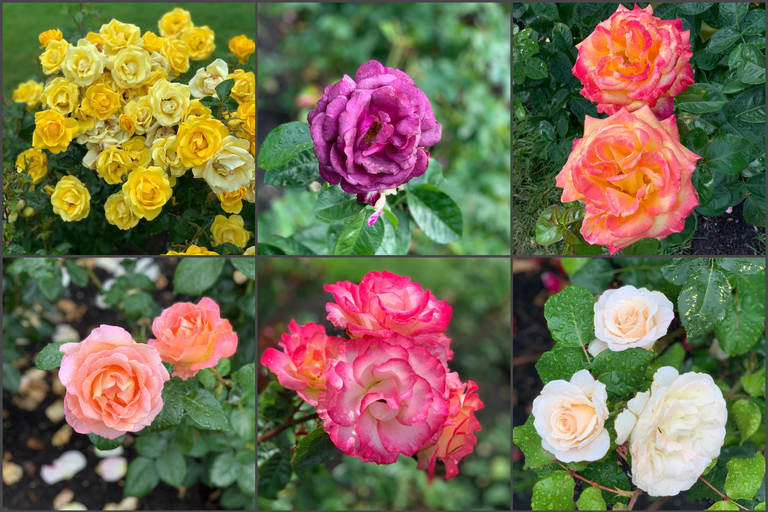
115 93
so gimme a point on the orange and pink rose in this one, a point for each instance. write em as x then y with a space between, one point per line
633 175
193 337
634 59
114 385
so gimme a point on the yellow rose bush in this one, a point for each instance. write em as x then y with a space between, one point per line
145 125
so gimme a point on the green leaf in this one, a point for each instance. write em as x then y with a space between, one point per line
722 40
314 448
561 363
752 68
243 422
753 23
151 445
244 384
724 505
704 300
673 356
206 378
728 154
274 244
139 304
246 480
535 68
547 231
760 506
335 205
591 499
745 266
102 443
754 383
554 492
573 265
300 171
224 469
172 411
50 357
744 320
438 216
749 107
172 468
679 269
693 8
596 276
754 211
283 143
359 238
562 37
528 440
609 474
78 274
732 14
622 372
210 101
11 377
194 276
701 98
570 316
274 474
141 478
644 247
247 266
224 88
747 416
203 407
744 477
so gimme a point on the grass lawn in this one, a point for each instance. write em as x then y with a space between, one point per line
23 23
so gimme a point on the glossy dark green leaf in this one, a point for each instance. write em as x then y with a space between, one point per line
224 88
283 143
11 377
569 316
696 140
723 39
596 276
300 171
622 372
752 68
591 499
224 469
151 445
535 68
731 14
314 448
744 320
141 478
78 274
274 474
554 492
754 211
102 443
704 300
438 216
528 440
561 363
335 205
728 154
193 276
243 420
753 23
701 98
359 238
50 357
171 468
203 407
547 231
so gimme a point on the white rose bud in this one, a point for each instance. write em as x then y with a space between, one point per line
630 318
570 418
675 431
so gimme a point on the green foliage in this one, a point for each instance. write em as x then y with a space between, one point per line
570 318
554 492
529 441
621 372
744 477
103 443
141 478
591 499
195 275
50 357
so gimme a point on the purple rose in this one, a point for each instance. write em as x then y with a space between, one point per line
370 132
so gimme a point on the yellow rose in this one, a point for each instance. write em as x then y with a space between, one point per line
61 95
152 42
168 100
174 22
127 124
50 35
166 156
117 35
137 150
140 111
206 79
229 168
112 164
71 199
146 191
193 250
251 251
245 86
177 55
100 102
232 202
118 213
53 131
29 92
242 48
131 67
28 211
199 41
94 38
199 139
53 56
34 162
85 123
84 63
229 230
246 119
196 108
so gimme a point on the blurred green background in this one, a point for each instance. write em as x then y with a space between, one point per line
458 54
479 292
23 23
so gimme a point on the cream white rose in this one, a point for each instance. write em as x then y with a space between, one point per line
675 430
570 418
630 318
206 79
229 169
84 63
168 100
130 67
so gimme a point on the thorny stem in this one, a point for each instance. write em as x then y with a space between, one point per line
93 277
288 424
595 484
724 496
194 225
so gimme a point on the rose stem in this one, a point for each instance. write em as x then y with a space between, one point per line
724 496
287 424
590 482
632 500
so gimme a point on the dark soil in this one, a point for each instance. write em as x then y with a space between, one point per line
727 234
19 425
531 338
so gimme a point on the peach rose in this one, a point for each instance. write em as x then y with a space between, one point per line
634 176
193 337
634 59
114 385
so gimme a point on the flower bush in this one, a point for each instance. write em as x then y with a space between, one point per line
365 149
127 113
700 71
384 391
165 371
637 397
